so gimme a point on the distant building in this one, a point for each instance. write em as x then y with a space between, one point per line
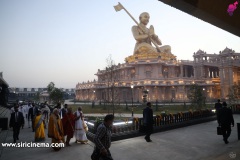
165 80
39 94
3 91
44 96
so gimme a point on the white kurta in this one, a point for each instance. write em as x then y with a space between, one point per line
80 133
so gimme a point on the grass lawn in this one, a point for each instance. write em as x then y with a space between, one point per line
87 109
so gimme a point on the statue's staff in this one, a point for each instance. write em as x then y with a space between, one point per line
120 7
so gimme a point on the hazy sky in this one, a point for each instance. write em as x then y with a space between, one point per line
67 41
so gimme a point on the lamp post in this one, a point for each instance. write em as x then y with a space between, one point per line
204 96
94 95
132 98
93 102
148 95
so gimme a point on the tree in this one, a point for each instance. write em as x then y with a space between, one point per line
196 96
37 96
50 87
56 96
233 94
112 77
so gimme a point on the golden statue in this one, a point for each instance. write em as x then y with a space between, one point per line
146 36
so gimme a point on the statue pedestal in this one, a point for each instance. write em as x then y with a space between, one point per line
151 56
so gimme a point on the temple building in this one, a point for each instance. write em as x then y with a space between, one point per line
165 80
153 73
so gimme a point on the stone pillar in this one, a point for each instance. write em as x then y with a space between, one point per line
169 71
210 70
186 71
195 71
192 71
230 71
181 71
202 68
160 71
222 81
163 93
159 93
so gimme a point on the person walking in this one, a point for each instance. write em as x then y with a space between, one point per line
16 122
55 129
39 125
148 121
64 110
218 106
27 112
225 119
80 132
46 112
102 140
31 115
68 122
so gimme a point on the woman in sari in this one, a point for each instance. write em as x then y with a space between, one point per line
39 125
80 130
68 125
55 129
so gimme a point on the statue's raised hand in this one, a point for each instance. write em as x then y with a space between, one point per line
151 31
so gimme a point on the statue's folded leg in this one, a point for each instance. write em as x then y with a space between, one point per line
166 49
144 48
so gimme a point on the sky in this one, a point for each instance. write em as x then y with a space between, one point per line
67 41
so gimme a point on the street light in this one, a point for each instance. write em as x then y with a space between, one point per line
132 98
148 98
204 95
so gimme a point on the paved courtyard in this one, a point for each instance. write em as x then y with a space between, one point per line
198 142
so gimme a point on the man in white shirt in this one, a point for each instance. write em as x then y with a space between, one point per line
26 109
46 112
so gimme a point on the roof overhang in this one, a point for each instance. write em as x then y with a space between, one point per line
2 81
211 11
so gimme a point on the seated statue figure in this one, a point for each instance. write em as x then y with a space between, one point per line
145 36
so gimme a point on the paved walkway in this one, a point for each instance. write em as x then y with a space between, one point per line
198 142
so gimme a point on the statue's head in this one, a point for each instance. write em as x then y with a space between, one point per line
144 18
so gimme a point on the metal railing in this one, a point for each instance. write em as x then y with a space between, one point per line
136 124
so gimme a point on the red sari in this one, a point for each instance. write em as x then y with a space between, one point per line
68 122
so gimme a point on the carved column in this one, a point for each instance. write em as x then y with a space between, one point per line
222 82
160 71
186 71
181 71
195 71
230 70
210 71
202 71
215 73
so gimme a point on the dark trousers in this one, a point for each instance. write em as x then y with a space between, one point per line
226 131
96 155
16 130
32 119
148 131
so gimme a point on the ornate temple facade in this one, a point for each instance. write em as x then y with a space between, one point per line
153 73
163 78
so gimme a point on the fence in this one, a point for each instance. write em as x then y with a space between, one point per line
236 108
134 126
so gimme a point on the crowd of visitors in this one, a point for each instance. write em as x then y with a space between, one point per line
62 124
